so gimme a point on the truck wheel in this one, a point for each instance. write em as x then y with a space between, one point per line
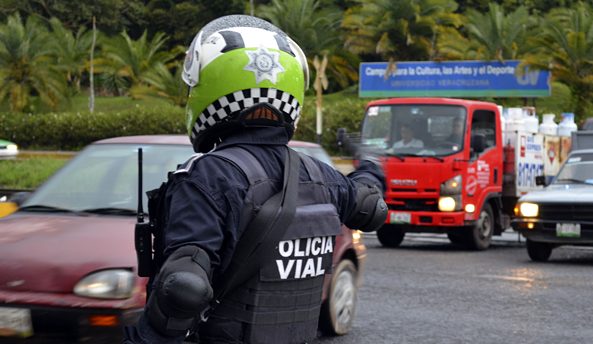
456 236
390 235
480 235
337 312
539 251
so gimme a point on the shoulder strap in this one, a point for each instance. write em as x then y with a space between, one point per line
312 169
257 243
245 161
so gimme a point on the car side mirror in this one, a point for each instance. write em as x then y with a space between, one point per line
19 197
540 180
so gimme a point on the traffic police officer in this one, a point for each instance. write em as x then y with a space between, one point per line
247 81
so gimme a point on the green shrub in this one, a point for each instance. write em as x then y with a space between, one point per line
72 131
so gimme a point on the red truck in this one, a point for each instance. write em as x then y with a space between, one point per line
447 167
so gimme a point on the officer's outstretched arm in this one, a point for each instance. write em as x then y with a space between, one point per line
180 292
370 211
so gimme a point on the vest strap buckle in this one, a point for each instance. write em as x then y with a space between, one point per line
205 314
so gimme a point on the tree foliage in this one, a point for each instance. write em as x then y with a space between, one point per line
491 35
565 47
398 30
28 64
71 50
45 44
316 29
131 60
113 16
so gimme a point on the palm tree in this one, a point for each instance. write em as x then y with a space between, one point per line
27 65
71 51
565 47
491 36
124 59
317 31
398 30
161 83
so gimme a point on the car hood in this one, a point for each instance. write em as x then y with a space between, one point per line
560 193
51 253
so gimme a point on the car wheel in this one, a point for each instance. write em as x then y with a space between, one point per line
480 235
390 235
539 251
338 310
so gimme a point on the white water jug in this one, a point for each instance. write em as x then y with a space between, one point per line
515 120
567 126
531 123
548 126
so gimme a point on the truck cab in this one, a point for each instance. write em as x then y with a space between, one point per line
443 164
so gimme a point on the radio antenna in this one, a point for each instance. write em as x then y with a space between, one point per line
140 210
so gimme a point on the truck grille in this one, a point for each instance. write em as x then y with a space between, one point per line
566 212
414 204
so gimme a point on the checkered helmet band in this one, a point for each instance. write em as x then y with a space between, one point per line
226 106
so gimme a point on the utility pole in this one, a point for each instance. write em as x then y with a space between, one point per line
91 70
251 7
320 84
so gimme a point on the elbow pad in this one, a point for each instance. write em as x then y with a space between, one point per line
370 211
181 291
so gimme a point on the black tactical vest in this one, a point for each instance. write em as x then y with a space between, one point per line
281 304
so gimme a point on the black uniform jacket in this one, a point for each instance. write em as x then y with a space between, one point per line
207 193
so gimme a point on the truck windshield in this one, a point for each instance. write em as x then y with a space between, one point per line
415 130
576 170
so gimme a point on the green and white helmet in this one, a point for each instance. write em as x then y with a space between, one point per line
237 62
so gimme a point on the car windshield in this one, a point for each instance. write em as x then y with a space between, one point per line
577 170
316 152
415 130
103 178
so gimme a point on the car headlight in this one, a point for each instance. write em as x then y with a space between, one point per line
356 236
106 284
527 209
451 186
12 148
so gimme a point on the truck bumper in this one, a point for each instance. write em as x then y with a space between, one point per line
426 218
545 231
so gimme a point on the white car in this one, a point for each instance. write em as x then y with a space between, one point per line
561 213
8 149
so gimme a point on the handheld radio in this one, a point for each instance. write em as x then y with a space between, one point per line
142 231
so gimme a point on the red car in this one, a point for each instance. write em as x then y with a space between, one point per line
67 258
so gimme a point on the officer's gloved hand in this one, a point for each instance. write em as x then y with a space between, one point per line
370 162
181 291
370 211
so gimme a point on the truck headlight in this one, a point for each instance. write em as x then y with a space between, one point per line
451 186
527 209
450 203
106 284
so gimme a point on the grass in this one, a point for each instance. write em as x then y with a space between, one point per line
28 173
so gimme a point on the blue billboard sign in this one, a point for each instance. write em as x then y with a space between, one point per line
452 79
